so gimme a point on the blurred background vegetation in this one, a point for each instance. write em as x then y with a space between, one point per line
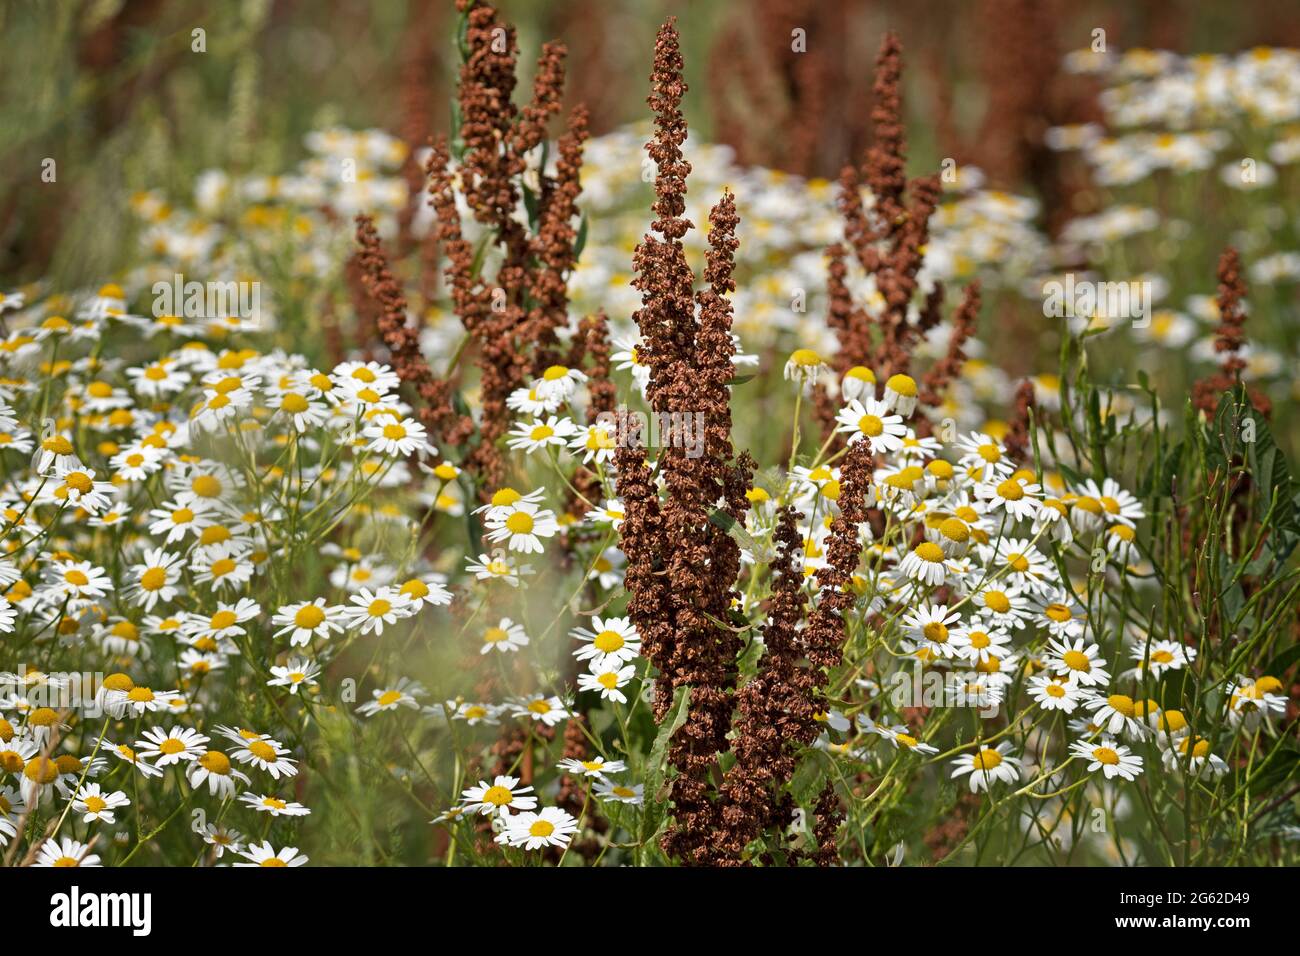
116 94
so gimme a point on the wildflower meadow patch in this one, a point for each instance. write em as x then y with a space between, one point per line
525 488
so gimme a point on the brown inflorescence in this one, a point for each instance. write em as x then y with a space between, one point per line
1229 338
403 340
940 376
681 564
887 240
512 319
1017 440
774 709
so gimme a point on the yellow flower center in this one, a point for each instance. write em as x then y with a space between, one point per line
929 552
986 759
871 426
997 601
1058 612
1105 755
214 761
1076 661
222 620
309 617
936 632
520 523
1011 490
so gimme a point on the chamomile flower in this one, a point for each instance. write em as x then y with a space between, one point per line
138 700
596 443
1001 605
65 851
869 420
901 394
529 437
986 765
531 831
96 806
608 681
505 636
275 806
523 527
1055 693
804 366
308 619
930 627
226 622
1017 497
857 383
298 672
125 753
177 520
214 768
264 854
609 642
154 578
396 436
75 580
1117 504
902 738
1059 614
1112 758
1192 753
595 767
401 694
471 712
166 747
504 500
502 796
1077 660
611 791
222 838
77 487
428 590
559 382
303 410
264 753
547 710
977 641
1162 656
1121 543
1116 714
924 563
370 611
499 568
610 514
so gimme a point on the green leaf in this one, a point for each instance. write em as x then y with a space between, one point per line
531 206
580 242
761 552
657 771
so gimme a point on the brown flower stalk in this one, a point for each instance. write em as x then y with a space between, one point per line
886 240
1017 440
681 565
774 709
947 370
403 340
1229 337
512 318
